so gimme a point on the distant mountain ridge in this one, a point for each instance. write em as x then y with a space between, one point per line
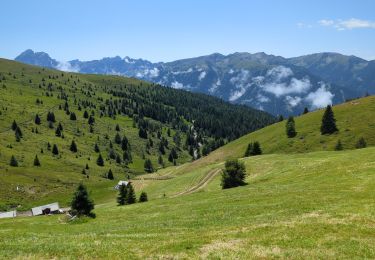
271 83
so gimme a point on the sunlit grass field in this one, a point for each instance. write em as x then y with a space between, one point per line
312 205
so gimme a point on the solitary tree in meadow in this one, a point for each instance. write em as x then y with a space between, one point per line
328 122
233 175
81 204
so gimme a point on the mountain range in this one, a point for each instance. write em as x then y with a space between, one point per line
271 83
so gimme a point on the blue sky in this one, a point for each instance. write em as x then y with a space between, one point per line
165 30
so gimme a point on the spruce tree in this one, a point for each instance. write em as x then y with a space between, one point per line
14 125
36 161
125 143
253 149
338 146
81 203
55 151
85 114
249 150
233 175
290 128
306 110
117 128
328 122
143 197
361 143
73 147
122 196
100 161
148 166
91 120
256 148
110 175
13 161
96 148
130 196
118 139
73 116
37 119
160 160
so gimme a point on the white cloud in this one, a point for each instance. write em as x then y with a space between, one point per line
241 83
293 101
66 66
215 86
262 99
279 73
349 24
177 85
148 73
182 72
202 75
294 86
320 98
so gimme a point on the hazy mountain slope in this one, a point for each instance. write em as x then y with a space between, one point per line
271 83
155 121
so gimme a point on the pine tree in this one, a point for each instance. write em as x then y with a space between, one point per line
36 161
142 133
148 166
91 120
233 175
170 157
306 110
338 146
160 160
110 175
96 148
85 114
143 197
249 150
328 122
125 143
122 196
73 116
14 125
118 139
130 196
290 128
117 128
37 119
51 117
256 148
58 132
81 203
13 161
73 147
127 157
55 151
361 143
253 149
100 161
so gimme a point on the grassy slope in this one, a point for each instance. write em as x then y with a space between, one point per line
312 205
355 119
58 176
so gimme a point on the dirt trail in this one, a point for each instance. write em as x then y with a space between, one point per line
201 184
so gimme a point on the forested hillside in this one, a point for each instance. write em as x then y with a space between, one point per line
58 128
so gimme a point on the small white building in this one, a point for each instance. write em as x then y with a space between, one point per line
9 214
46 209
117 187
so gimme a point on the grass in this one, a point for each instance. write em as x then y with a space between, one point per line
56 179
312 205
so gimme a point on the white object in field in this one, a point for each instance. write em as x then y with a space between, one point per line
9 214
117 187
53 207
